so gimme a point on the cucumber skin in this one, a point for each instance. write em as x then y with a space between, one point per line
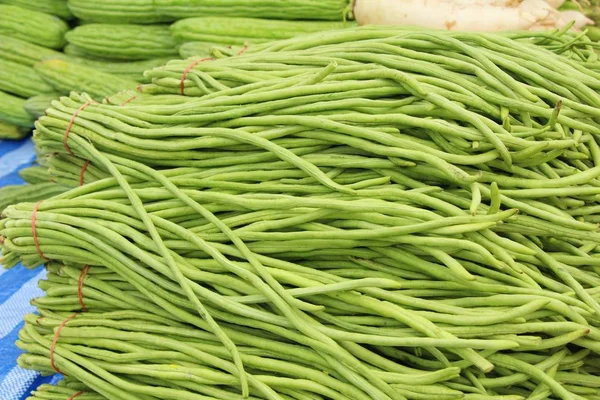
53 7
24 52
328 10
122 42
37 105
117 11
12 111
25 24
21 80
67 76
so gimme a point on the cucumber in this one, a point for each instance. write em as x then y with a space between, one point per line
37 105
13 194
331 10
23 52
593 33
54 7
35 174
195 49
21 80
12 111
67 76
246 30
32 26
117 11
75 52
13 132
123 42
133 70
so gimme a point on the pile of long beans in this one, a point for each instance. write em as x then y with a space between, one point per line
412 215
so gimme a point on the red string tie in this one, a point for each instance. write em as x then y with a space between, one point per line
75 395
132 98
187 71
82 173
66 138
55 341
34 230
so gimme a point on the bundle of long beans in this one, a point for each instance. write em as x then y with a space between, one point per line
411 215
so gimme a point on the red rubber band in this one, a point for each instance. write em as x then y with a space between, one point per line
75 395
55 341
82 173
242 50
87 103
128 100
187 71
34 230
80 283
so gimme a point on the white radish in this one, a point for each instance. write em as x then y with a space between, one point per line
562 19
566 17
555 3
453 15
497 3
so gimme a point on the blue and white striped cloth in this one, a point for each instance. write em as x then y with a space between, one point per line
17 287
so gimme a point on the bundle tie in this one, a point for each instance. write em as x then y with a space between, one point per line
55 341
34 230
188 69
80 283
128 100
82 173
242 50
75 395
70 125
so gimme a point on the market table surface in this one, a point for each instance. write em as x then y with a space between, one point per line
17 287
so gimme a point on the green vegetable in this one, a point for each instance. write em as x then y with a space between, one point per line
75 52
11 131
117 11
37 105
196 49
123 42
23 52
593 33
63 75
370 213
27 25
35 174
133 70
240 31
12 111
63 392
54 7
332 10
21 80
12 194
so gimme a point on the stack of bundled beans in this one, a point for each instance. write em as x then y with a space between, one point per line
51 47
369 213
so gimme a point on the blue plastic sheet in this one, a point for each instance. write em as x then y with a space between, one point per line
17 287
